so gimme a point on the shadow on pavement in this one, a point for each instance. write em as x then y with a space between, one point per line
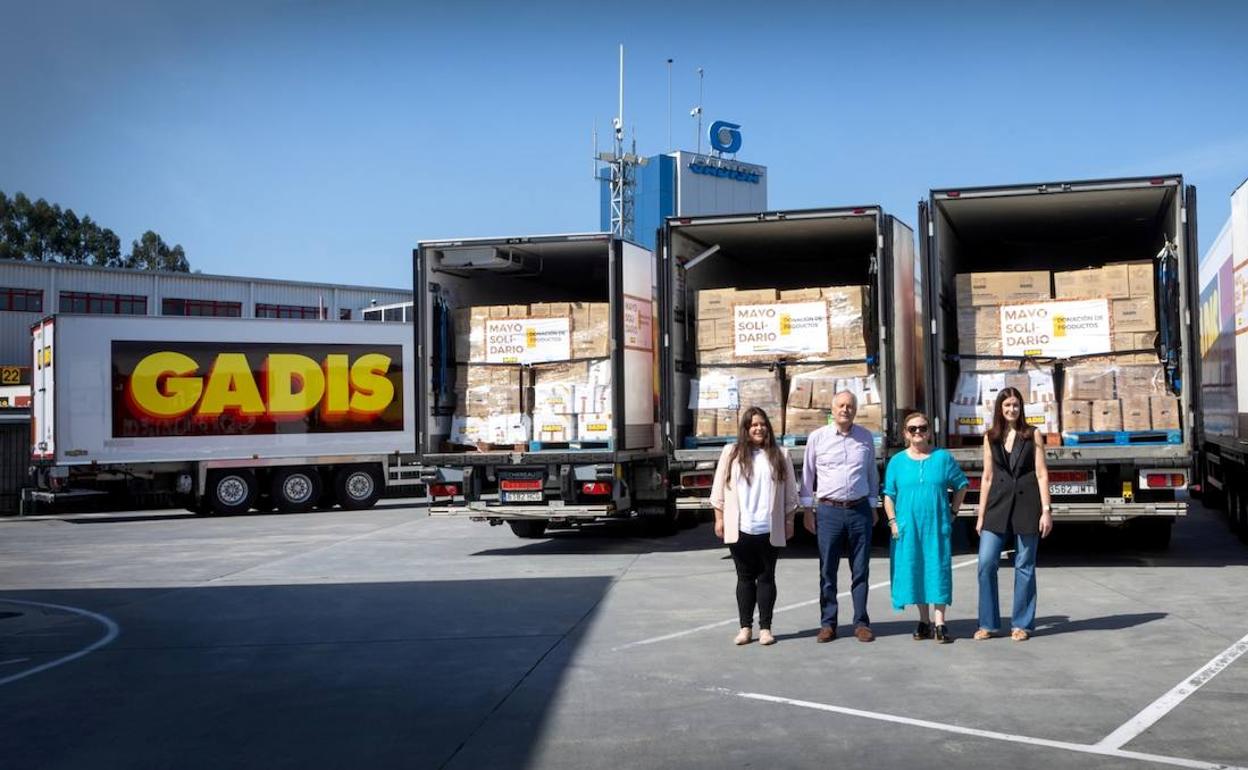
377 675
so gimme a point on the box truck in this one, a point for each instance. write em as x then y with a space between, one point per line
782 310
228 414
1223 460
536 360
1082 295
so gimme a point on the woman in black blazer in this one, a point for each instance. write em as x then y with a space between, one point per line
1013 497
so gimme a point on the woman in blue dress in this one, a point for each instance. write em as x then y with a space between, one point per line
920 517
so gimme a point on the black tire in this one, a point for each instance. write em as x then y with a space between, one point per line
356 487
295 490
528 528
231 491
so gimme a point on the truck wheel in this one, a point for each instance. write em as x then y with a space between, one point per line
295 490
528 528
231 491
356 488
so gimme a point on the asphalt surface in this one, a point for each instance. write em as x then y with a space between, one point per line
386 639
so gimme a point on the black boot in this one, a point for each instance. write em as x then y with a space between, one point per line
922 631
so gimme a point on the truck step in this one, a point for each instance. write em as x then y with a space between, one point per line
538 446
1122 437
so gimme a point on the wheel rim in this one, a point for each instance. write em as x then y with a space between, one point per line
297 488
232 490
360 485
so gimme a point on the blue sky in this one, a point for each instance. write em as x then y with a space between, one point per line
320 141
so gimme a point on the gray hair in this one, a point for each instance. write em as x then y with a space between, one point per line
849 393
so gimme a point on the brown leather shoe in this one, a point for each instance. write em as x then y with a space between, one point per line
864 634
826 634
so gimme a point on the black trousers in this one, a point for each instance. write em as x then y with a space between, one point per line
755 559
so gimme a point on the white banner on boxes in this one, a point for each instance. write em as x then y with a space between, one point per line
714 391
1056 329
527 340
790 327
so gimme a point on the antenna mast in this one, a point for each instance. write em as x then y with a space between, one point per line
621 170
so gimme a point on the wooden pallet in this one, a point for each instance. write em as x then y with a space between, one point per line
1122 437
538 446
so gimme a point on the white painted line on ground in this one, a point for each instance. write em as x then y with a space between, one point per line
110 634
976 733
15 660
1166 703
734 621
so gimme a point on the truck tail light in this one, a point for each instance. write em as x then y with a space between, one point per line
514 485
596 488
443 490
973 482
697 480
1155 480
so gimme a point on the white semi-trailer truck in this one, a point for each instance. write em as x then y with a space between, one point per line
227 414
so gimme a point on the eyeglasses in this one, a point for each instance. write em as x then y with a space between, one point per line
915 430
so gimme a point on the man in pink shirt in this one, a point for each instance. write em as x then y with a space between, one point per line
840 491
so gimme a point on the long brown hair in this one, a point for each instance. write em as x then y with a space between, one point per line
998 430
740 454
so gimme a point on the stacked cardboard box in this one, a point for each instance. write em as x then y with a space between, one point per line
758 386
975 397
1098 396
572 401
567 401
979 298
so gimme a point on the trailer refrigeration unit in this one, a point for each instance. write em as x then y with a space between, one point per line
1082 296
227 414
536 360
782 310
1223 467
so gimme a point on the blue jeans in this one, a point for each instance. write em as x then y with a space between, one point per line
1024 612
833 526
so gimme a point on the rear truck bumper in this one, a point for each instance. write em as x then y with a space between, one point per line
1104 512
480 511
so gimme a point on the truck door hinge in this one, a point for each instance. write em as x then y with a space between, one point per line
931 229
879 240
1183 215
933 326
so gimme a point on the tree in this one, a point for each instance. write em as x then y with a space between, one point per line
38 231
152 253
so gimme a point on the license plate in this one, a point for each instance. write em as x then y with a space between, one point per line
1073 488
523 497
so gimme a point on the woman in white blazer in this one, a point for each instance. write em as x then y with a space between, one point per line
755 501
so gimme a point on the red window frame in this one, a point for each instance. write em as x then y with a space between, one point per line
103 304
21 300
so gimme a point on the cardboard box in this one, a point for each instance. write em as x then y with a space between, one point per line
553 398
1135 341
1042 417
591 330
823 392
754 297
589 398
1088 382
594 427
1140 381
978 289
1109 281
1140 279
800 391
725 422
498 311
980 346
1165 412
1107 414
517 311
1136 413
572 371
1076 416
971 420
761 390
705 422
1133 315
871 417
715 303
800 295
803 422
716 356
983 322
706 331
553 427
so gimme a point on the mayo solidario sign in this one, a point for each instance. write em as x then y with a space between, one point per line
228 389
